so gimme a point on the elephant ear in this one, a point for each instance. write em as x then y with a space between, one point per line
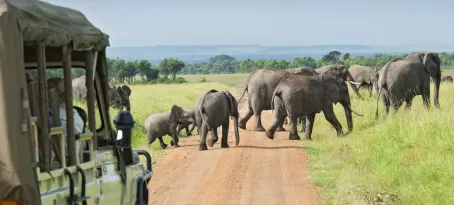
431 62
175 114
232 103
126 89
332 88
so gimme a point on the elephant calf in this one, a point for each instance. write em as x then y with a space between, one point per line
160 124
185 125
319 93
214 109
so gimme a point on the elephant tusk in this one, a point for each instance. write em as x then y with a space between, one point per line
355 112
355 83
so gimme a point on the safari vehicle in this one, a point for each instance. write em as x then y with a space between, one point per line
39 37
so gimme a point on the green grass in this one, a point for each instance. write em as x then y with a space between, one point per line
409 154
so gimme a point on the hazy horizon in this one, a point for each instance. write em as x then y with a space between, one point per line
268 23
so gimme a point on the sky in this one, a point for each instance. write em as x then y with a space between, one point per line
267 22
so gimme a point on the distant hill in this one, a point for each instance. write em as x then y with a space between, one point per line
194 53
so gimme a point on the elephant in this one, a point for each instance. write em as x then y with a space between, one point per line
401 79
185 125
121 95
118 96
339 71
165 123
366 75
446 78
215 108
260 86
319 93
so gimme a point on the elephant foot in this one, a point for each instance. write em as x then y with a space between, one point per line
224 145
259 129
176 146
210 142
163 146
294 137
203 147
189 134
269 134
242 126
308 138
281 129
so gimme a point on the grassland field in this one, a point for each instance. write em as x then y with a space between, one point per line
409 154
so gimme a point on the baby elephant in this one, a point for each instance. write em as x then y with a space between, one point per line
446 78
160 124
185 125
214 109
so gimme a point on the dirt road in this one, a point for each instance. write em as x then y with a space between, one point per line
259 171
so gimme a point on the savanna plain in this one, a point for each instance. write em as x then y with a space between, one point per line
402 158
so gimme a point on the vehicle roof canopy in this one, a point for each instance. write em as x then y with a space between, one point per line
55 25
28 22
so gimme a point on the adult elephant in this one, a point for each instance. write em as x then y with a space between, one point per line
165 123
260 86
319 94
215 109
401 79
339 71
367 76
446 78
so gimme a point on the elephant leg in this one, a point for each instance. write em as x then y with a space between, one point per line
242 122
293 130
214 137
278 121
258 126
203 137
370 90
426 97
303 123
286 121
192 129
309 125
386 104
188 133
225 133
396 105
331 118
161 142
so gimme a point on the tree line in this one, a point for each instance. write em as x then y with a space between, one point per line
126 71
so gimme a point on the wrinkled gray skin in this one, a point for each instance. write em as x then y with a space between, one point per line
185 125
339 71
367 76
319 93
401 79
165 123
215 109
260 86
446 78
118 95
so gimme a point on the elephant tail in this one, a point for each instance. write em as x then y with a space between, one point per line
143 128
277 92
245 88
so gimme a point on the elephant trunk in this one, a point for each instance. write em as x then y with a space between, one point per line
348 115
235 128
436 89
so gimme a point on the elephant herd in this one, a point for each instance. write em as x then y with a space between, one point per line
118 96
299 94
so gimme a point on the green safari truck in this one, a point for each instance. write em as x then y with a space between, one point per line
44 159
